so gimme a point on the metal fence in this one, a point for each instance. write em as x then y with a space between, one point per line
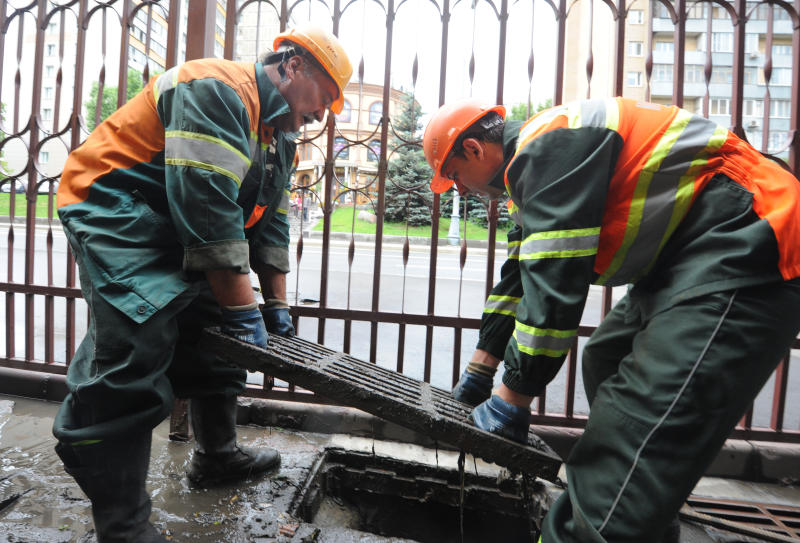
56 56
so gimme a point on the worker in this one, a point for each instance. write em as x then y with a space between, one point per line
167 207
702 227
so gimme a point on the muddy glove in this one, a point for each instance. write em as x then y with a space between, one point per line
276 317
475 384
244 322
499 417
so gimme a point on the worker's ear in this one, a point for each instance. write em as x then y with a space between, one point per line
293 65
474 148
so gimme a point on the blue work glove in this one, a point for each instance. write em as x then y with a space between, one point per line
475 384
499 417
245 324
276 317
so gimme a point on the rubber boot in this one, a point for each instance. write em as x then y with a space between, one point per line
217 458
112 474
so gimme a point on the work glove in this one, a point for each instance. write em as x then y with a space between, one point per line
276 317
475 384
244 322
499 417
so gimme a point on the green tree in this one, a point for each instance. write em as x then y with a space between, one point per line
519 112
408 195
108 104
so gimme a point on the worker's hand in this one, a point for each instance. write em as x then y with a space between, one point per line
245 324
499 417
276 317
475 384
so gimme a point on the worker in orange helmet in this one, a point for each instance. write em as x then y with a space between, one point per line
702 227
167 206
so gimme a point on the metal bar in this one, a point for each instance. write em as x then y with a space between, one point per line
200 28
779 394
794 121
619 66
173 31
561 36
680 48
737 94
231 19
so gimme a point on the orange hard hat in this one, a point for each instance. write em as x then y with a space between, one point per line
443 130
327 49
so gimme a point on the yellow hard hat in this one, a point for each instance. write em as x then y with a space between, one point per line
443 130
328 51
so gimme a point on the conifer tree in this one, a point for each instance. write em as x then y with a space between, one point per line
408 195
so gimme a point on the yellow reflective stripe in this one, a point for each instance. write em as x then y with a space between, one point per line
513 249
166 81
504 305
209 139
543 341
574 118
536 122
283 206
652 165
685 192
203 166
560 244
612 114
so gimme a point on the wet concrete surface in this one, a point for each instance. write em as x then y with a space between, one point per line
40 503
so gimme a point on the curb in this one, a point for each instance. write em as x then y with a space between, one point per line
752 461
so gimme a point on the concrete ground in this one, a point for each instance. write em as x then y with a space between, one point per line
39 502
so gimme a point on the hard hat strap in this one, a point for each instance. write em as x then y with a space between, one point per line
279 57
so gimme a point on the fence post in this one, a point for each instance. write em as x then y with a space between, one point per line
202 17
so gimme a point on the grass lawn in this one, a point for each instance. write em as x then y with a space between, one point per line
342 221
21 205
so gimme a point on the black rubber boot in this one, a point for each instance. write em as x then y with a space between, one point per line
217 458
112 474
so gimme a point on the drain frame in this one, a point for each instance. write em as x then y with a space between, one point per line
390 395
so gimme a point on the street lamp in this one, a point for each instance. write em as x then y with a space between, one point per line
453 235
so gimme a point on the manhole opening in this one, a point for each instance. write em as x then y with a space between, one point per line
394 498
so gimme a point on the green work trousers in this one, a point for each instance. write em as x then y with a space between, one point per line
665 391
125 375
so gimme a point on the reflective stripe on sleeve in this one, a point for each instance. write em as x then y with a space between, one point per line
505 305
560 244
283 205
166 81
543 341
206 152
513 249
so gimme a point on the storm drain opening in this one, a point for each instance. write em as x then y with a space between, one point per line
394 498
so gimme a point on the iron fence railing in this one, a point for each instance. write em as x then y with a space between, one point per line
406 306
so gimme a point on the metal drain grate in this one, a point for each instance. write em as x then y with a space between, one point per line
387 394
768 522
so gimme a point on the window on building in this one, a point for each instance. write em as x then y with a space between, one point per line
375 112
52 27
374 151
697 11
635 48
662 72
781 76
344 116
664 47
48 93
44 157
48 70
220 25
694 73
219 49
47 114
780 109
751 44
777 141
720 106
722 74
341 151
781 50
51 49
750 75
753 108
722 42
634 79
636 17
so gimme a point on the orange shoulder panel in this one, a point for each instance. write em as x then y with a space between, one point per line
131 135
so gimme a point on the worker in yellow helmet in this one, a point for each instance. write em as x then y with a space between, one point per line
167 207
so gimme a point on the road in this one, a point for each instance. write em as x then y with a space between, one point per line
402 288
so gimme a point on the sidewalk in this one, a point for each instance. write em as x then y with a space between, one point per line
40 503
